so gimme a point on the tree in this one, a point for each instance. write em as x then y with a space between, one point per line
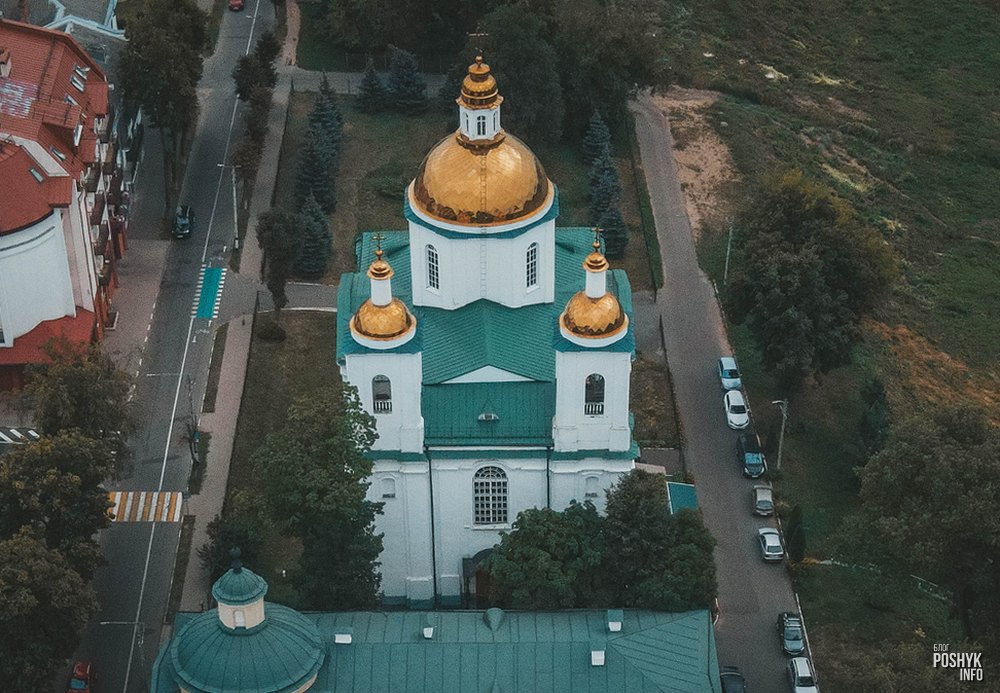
315 475
597 138
44 607
795 536
605 186
874 424
225 534
927 497
159 72
267 49
891 667
550 560
806 271
615 232
314 175
315 251
249 73
82 388
278 236
371 92
407 90
325 119
326 91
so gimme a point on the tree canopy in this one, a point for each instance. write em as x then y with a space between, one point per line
406 88
278 236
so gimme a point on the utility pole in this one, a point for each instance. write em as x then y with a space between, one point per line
236 218
729 247
782 404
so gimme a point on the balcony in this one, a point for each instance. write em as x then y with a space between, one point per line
383 406
594 408
98 210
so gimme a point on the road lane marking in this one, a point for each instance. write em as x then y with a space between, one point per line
145 506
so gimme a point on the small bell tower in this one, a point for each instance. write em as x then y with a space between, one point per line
479 105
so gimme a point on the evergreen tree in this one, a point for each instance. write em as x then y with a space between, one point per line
597 138
407 89
315 251
325 118
371 93
795 536
451 87
615 230
278 236
313 175
267 50
327 91
605 186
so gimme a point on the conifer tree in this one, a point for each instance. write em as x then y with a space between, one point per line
612 223
325 119
314 252
326 90
598 136
313 175
371 93
605 186
407 89
451 87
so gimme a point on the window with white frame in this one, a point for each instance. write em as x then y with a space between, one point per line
480 126
388 487
591 487
489 492
531 266
594 395
381 395
433 268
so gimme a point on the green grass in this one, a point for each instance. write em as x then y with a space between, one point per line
215 369
652 403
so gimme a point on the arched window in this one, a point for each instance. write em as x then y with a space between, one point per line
594 395
531 266
489 492
466 122
381 394
496 115
591 486
433 269
480 126
240 618
388 487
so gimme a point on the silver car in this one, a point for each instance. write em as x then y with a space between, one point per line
737 412
763 501
770 544
729 373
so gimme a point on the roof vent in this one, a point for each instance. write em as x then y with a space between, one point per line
428 630
615 618
596 654
5 62
493 617
343 635
488 416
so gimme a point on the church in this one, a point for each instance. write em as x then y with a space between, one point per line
494 351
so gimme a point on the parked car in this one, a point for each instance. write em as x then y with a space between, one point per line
235 5
790 631
82 678
763 501
770 544
729 373
801 676
732 680
750 456
183 221
737 413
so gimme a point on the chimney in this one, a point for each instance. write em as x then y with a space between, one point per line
615 618
596 653
4 62
428 630
343 635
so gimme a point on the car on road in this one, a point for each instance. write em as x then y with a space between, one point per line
770 544
790 631
750 456
801 676
763 501
732 680
235 5
82 678
729 373
737 412
183 221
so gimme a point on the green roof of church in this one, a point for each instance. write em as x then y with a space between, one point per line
540 652
488 413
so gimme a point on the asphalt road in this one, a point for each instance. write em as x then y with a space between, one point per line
134 586
751 593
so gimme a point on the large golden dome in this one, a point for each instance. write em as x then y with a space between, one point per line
498 182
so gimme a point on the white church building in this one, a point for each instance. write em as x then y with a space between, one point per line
494 351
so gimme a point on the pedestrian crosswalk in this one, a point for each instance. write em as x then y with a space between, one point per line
208 292
145 506
17 435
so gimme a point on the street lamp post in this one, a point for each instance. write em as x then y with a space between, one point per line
782 404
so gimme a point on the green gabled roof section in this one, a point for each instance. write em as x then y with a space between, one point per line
488 413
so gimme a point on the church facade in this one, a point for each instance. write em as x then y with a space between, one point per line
494 351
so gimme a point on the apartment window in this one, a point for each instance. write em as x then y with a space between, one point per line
81 71
76 82
594 395
489 492
71 101
57 154
433 268
77 134
531 266
36 174
480 126
381 394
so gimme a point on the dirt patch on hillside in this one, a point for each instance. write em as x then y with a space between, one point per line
703 161
919 374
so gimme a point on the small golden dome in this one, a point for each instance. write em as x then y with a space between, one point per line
496 183
382 323
596 262
380 269
593 318
479 88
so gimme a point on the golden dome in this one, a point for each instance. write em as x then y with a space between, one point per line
382 323
479 88
497 182
593 318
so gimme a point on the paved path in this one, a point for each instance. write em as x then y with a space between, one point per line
751 593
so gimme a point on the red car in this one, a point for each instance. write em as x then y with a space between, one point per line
83 677
236 5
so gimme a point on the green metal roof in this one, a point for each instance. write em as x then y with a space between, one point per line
681 496
239 587
537 652
454 414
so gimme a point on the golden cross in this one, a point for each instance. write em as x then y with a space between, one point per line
597 238
479 33
378 238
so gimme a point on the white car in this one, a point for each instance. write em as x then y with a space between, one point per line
770 544
729 373
801 676
737 412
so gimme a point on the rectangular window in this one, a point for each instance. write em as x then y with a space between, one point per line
531 266
57 154
76 82
433 269
489 492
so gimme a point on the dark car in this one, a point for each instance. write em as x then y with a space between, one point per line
732 680
790 631
82 678
750 456
183 221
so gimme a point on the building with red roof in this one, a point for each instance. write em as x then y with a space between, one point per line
60 231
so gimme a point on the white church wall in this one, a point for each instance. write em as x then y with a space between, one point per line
585 480
481 266
574 429
401 427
